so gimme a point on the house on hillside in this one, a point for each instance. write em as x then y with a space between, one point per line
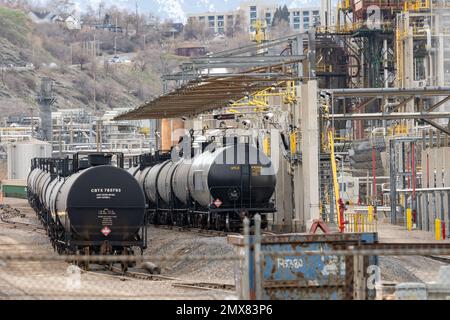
71 22
68 20
43 17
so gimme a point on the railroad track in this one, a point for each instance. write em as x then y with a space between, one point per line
177 282
444 259
21 225
206 286
202 232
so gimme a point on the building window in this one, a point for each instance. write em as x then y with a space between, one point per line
296 26
201 19
268 18
253 13
306 13
315 13
419 69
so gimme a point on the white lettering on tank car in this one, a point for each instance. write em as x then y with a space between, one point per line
106 190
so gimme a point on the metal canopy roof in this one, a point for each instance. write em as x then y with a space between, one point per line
206 94
202 90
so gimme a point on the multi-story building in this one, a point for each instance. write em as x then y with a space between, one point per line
300 19
217 22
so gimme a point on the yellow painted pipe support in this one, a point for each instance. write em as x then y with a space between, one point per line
370 213
409 221
266 145
293 140
437 227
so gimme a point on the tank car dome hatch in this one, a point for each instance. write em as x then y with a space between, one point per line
83 164
99 159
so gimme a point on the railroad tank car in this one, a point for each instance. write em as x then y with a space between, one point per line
92 208
214 189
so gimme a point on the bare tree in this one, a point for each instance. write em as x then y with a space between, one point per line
80 57
194 29
141 61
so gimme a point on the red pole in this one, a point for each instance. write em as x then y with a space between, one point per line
443 230
341 215
408 163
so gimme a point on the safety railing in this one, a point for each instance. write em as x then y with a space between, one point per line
361 222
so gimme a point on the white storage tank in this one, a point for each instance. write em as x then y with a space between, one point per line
20 155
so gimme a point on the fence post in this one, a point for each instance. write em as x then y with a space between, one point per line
246 273
359 285
258 264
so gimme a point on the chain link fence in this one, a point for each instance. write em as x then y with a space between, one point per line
349 266
397 273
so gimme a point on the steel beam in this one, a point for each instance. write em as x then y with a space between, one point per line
243 59
437 105
438 126
390 116
395 92
365 103
401 104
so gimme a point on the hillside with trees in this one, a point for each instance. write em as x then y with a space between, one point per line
81 73
85 63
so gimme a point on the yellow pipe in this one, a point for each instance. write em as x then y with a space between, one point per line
335 178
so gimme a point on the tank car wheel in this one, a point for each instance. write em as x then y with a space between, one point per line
124 264
217 222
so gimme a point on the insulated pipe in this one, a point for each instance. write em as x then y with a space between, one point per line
375 92
418 190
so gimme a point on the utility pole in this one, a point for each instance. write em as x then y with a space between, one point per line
137 19
99 135
95 77
115 40
60 136
32 122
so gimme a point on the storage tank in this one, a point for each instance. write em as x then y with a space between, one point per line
20 155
